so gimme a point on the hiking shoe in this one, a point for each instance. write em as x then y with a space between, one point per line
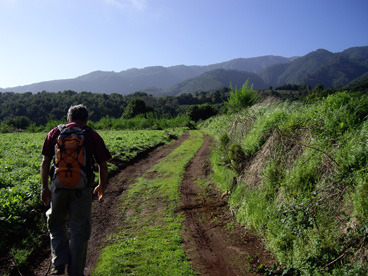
58 270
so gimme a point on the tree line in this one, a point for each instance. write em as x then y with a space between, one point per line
20 110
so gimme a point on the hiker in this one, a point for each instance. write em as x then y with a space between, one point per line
71 189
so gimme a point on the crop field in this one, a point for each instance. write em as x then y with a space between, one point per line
20 157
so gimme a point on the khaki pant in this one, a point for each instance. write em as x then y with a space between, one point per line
69 244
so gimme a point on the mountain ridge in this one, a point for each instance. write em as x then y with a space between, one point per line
134 79
317 67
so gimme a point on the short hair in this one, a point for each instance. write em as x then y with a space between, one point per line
77 113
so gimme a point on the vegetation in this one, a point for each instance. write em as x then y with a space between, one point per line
296 170
243 98
38 112
20 206
302 180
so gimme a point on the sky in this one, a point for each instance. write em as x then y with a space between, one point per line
43 40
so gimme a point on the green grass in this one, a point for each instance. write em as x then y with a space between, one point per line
149 242
310 201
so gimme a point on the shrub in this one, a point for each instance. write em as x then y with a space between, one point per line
236 156
243 98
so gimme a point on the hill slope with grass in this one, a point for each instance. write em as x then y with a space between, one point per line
296 173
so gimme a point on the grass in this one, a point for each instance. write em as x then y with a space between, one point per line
149 243
309 198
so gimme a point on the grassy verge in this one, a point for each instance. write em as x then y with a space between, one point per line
301 179
149 243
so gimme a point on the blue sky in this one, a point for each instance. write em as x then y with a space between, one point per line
58 39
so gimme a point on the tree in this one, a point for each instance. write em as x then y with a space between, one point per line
201 112
135 107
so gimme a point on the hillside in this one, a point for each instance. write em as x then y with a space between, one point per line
297 174
320 66
214 80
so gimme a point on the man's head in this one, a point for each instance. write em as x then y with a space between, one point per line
77 113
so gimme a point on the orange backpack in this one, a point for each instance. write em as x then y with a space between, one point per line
72 170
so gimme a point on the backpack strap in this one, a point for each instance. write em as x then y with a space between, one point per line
61 127
91 160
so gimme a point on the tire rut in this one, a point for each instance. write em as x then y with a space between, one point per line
216 244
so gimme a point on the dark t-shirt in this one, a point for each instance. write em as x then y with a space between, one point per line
94 144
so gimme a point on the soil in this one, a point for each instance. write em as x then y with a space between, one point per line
214 242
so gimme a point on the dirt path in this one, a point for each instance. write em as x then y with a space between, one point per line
214 242
106 216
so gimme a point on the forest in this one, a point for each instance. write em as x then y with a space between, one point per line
25 110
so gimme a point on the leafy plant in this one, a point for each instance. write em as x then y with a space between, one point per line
237 157
243 98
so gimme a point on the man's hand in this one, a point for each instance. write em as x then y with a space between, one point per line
45 169
45 197
100 191
102 181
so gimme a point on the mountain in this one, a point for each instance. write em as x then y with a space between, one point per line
359 84
320 66
338 71
155 78
317 67
216 79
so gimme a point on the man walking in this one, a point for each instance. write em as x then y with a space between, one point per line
70 205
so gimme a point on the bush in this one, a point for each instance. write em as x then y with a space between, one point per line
243 98
236 156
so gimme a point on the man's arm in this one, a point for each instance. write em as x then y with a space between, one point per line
102 180
45 170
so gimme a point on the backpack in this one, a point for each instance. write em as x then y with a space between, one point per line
71 169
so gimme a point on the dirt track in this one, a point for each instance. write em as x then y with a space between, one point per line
214 242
